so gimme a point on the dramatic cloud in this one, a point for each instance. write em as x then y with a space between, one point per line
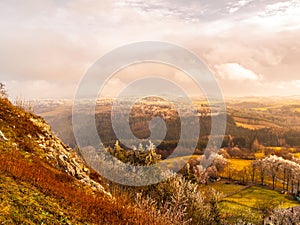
234 71
47 46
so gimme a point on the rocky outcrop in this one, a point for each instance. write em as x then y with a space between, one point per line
63 157
30 134
2 136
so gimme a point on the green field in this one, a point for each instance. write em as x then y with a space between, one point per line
243 199
226 189
247 196
250 196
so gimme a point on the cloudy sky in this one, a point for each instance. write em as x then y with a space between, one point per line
251 46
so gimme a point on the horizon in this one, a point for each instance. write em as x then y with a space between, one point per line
193 98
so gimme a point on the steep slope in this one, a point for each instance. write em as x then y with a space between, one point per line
26 132
42 181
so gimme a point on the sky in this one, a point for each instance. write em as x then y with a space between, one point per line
251 46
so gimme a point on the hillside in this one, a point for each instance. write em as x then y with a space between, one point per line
42 181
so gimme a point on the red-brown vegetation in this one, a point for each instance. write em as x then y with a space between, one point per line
89 206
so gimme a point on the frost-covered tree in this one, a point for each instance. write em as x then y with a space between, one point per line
183 197
261 169
273 165
213 171
284 216
278 168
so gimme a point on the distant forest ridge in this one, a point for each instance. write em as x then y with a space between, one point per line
273 123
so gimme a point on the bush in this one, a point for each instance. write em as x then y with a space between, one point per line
3 93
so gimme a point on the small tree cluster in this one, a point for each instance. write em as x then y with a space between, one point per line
212 172
137 157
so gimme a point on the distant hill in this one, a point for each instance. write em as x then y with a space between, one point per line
273 123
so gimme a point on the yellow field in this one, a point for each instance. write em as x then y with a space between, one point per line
239 164
274 148
297 109
280 148
250 126
259 155
260 109
252 123
297 155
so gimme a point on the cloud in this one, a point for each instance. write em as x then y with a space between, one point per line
56 41
236 6
281 15
287 87
297 82
112 87
39 89
281 7
235 71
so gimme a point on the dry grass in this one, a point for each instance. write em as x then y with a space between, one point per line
87 206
